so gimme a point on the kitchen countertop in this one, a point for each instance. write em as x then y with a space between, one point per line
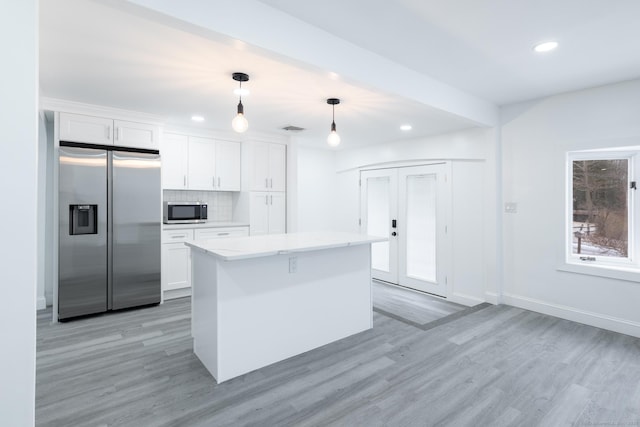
208 224
237 248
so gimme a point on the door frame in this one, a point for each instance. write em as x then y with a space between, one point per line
444 261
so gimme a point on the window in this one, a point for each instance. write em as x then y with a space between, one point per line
601 211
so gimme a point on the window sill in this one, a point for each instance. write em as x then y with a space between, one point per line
611 272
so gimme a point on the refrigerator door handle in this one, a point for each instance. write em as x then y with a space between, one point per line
110 230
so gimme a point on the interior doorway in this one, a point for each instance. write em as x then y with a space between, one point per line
411 205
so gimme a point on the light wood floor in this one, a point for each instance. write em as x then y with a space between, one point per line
495 366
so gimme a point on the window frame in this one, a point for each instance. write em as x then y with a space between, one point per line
628 263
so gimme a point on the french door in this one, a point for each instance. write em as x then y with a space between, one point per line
411 206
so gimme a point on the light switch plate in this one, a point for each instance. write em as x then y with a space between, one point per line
511 207
293 264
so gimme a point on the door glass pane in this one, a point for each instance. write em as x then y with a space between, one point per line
600 210
378 220
421 227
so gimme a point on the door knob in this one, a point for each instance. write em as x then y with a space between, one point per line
394 233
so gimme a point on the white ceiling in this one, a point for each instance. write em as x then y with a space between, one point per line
111 53
485 47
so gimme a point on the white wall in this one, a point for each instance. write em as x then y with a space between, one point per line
42 213
535 138
18 174
472 155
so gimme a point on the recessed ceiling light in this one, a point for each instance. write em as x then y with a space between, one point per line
545 46
405 127
197 118
241 91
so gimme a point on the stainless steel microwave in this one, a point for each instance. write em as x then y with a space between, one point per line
184 212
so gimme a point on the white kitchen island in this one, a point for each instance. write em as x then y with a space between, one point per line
261 299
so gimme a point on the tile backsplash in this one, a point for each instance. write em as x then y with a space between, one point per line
220 203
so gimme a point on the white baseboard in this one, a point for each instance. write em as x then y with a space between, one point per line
615 324
177 293
491 297
464 299
41 303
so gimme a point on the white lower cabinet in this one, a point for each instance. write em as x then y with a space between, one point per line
267 213
176 257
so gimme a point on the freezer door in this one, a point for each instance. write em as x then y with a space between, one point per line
82 254
136 215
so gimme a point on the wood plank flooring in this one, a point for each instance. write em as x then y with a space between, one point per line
496 366
413 307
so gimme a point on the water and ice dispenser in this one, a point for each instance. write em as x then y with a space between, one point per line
83 219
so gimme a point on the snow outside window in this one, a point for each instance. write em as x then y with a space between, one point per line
600 211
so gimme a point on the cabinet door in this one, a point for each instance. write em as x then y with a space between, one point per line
277 167
137 135
227 166
259 213
259 166
174 153
202 152
176 266
88 129
277 213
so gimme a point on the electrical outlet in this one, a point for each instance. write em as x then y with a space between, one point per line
511 207
293 264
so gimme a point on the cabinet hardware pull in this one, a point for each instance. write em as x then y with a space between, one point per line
223 234
108 132
184 180
117 130
271 182
266 183
218 182
178 236
266 200
271 199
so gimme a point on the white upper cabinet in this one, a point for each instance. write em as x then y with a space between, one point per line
268 166
175 161
138 135
228 165
202 153
196 163
278 167
105 131
87 129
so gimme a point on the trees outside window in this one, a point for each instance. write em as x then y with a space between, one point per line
600 216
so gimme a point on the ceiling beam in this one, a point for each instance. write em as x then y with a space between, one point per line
259 25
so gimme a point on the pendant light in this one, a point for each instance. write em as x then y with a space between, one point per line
239 122
333 139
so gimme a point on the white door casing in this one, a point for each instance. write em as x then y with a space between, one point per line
411 206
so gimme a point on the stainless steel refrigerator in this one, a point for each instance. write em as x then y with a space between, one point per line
109 239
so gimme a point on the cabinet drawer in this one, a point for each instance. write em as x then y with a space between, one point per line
218 233
173 236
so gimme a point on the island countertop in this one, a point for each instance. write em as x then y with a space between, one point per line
237 248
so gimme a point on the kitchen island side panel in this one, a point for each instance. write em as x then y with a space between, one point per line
204 310
272 308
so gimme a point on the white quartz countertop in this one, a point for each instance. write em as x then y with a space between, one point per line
208 224
237 248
